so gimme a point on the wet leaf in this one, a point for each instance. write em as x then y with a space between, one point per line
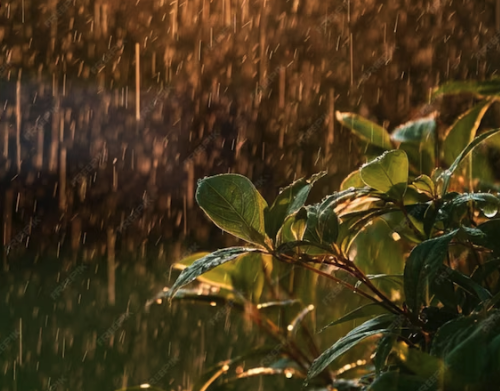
388 173
361 312
378 325
447 174
208 262
422 265
233 203
365 129
478 88
463 131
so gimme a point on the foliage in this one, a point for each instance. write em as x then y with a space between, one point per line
441 333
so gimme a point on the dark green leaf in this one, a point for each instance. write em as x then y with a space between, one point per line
290 200
378 325
467 284
233 203
491 229
422 265
322 224
361 312
388 173
207 263
484 270
384 347
365 129
394 381
451 334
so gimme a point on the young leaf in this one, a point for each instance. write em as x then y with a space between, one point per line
290 200
425 184
233 203
446 175
365 129
463 131
293 228
378 325
352 180
422 265
208 262
387 173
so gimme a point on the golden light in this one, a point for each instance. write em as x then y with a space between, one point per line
395 236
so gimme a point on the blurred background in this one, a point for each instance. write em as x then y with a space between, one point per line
111 110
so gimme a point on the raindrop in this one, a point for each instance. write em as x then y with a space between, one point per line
490 210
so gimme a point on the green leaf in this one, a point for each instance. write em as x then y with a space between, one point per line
384 348
293 228
248 275
447 174
467 284
220 276
208 262
420 362
422 265
387 173
322 224
396 278
491 231
478 88
424 184
365 129
463 131
233 203
353 180
467 359
361 312
451 333
394 381
290 200
378 325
